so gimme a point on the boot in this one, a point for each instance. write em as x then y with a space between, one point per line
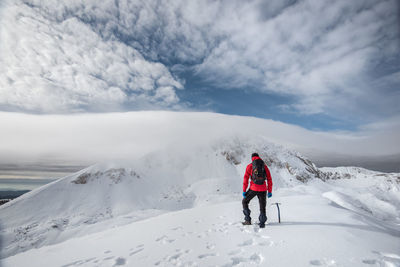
247 218
262 218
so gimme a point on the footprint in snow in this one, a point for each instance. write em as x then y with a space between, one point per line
202 235
136 251
371 262
223 230
256 258
235 252
174 259
210 246
236 261
266 243
187 233
80 262
246 230
164 239
316 262
206 255
324 262
246 243
257 228
120 261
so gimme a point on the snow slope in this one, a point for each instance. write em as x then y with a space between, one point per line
313 232
368 192
174 178
181 206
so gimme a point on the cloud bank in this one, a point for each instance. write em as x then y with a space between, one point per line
340 59
88 138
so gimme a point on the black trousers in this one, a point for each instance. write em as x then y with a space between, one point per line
262 199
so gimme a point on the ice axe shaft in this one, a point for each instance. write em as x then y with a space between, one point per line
279 211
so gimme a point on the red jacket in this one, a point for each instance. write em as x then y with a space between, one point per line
253 186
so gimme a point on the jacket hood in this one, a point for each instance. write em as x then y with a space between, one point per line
254 158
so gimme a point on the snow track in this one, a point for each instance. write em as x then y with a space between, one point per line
313 232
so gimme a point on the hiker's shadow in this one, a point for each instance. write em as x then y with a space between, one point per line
369 228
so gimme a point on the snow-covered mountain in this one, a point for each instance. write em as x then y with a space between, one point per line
174 187
171 179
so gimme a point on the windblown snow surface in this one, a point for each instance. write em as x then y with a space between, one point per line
181 206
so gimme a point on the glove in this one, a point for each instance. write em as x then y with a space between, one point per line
269 194
244 194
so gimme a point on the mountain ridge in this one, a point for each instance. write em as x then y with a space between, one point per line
175 178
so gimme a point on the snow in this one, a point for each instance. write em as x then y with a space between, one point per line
366 191
181 206
313 232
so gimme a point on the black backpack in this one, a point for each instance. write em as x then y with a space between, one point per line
259 174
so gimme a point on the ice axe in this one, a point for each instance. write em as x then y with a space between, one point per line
279 211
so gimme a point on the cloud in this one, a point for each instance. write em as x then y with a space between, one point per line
339 59
58 63
324 55
88 138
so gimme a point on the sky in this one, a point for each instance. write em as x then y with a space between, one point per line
330 67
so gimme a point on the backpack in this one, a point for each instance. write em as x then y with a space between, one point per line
259 174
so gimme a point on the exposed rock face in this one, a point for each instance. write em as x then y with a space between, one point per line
114 175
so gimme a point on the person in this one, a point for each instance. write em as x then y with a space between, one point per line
258 188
